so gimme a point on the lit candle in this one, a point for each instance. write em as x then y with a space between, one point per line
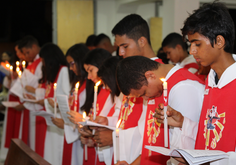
17 63
11 71
165 110
95 99
85 146
23 65
115 135
55 103
75 96
19 74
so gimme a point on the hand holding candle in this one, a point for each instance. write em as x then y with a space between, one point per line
55 103
165 110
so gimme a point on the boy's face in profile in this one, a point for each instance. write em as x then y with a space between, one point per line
29 53
202 50
127 47
173 54
153 89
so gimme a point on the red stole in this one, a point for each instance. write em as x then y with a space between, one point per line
154 131
32 67
191 65
41 126
101 100
67 148
216 129
128 118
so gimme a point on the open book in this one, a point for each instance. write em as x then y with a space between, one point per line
193 157
90 123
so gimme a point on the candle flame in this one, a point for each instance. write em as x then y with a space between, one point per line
17 63
11 67
98 83
55 85
163 79
118 123
23 63
17 69
19 74
84 115
77 85
7 65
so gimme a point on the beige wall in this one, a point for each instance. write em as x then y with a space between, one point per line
156 33
75 22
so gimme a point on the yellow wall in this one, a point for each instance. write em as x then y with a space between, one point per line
156 33
75 22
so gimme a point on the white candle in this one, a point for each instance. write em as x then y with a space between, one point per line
11 73
165 110
75 96
85 146
8 68
55 103
116 147
95 99
23 65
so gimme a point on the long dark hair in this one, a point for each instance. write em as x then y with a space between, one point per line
107 72
78 52
53 58
95 57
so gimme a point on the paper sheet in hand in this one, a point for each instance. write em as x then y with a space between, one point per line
27 78
63 104
10 103
90 123
47 116
193 157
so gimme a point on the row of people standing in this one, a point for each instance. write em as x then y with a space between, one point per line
58 143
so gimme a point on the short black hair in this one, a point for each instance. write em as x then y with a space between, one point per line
90 40
100 38
130 73
107 72
134 27
173 39
27 42
211 20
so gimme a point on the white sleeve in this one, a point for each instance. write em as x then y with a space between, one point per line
63 82
186 97
131 140
232 158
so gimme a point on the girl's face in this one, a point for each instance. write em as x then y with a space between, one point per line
72 64
92 72
5 57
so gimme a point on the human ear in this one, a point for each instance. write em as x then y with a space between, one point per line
220 41
142 41
150 75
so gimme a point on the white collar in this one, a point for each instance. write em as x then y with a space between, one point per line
228 75
154 58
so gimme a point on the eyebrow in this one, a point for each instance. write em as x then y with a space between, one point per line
87 68
123 44
192 40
